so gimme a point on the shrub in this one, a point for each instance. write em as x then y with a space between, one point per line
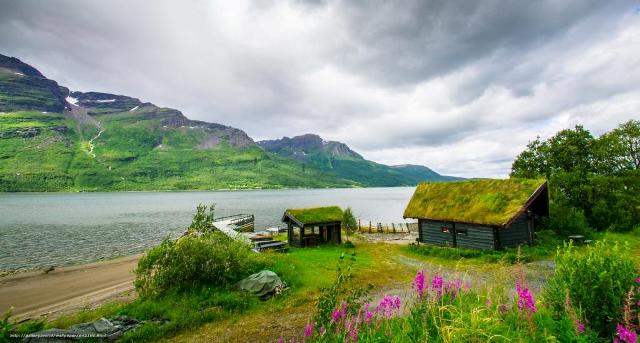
567 220
349 223
597 281
210 259
202 221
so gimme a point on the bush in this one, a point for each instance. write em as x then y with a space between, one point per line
202 221
567 220
597 281
210 259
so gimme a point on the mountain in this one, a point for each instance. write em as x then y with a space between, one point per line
339 159
54 139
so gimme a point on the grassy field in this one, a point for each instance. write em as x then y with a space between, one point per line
212 313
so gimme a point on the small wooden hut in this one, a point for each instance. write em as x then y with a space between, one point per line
482 214
313 226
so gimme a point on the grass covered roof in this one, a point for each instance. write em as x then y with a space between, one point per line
488 202
314 215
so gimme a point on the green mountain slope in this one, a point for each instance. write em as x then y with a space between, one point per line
52 139
338 158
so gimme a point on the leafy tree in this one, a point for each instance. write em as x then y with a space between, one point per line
596 179
349 222
202 221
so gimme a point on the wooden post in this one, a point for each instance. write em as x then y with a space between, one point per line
394 227
359 226
369 226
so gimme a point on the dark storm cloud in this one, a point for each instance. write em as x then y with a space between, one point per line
457 85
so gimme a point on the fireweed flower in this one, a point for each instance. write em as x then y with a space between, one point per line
367 314
388 306
638 280
626 335
453 287
308 330
579 327
436 284
344 310
526 303
335 316
418 283
321 331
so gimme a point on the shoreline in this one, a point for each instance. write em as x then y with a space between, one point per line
35 294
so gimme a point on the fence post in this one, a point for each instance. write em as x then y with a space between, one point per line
394 227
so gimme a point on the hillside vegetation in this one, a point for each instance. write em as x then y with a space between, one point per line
52 139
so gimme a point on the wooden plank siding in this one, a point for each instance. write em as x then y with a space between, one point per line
517 233
431 232
474 236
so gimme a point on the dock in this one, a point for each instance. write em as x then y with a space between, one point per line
241 227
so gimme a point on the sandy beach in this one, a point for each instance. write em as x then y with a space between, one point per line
67 289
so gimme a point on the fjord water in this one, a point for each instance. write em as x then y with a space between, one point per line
57 229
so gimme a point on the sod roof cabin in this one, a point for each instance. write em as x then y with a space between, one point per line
313 226
483 214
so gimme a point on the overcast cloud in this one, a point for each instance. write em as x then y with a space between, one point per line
459 86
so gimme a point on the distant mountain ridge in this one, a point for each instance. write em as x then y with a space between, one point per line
339 158
54 139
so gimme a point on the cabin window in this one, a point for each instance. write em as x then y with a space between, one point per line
462 232
444 230
312 230
295 234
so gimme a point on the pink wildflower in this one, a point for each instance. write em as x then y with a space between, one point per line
453 287
344 310
418 283
335 316
353 333
389 306
321 331
638 279
526 302
436 284
579 327
308 330
626 335
280 340
367 317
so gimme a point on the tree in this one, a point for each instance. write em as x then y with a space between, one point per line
593 178
620 148
349 222
202 221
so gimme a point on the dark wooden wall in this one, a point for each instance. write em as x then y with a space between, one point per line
476 236
431 232
460 235
516 234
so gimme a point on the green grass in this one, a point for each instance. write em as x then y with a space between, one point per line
545 248
316 215
490 202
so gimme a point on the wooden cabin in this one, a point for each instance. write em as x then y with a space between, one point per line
481 214
313 226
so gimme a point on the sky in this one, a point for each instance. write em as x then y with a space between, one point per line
459 86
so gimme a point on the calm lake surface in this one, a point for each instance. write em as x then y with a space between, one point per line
44 229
